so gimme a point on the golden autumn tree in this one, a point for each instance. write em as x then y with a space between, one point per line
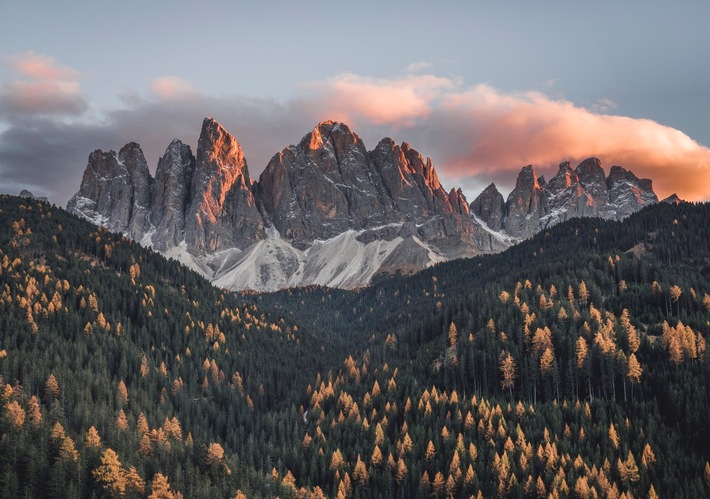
122 392
92 438
110 474
122 421
160 488
401 471
508 370
613 436
135 485
438 485
430 452
634 372
376 458
647 457
583 293
15 414
51 388
628 469
35 413
67 450
336 460
215 454
360 475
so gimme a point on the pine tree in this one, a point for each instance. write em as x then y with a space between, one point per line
15 414
215 454
430 452
613 436
160 488
376 458
360 475
110 474
508 370
92 438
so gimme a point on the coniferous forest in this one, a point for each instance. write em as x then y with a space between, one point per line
572 365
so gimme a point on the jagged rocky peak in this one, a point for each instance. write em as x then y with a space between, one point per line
24 193
489 206
132 157
320 187
217 149
627 192
566 177
115 191
334 212
673 199
458 201
171 195
410 180
222 212
525 205
591 176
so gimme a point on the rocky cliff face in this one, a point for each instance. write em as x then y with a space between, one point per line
489 206
115 191
525 205
628 193
322 187
222 213
171 195
581 192
326 210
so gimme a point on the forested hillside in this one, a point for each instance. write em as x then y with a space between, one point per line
123 373
572 365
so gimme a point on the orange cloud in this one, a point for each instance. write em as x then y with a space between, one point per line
172 88
399 101
509 130
481 131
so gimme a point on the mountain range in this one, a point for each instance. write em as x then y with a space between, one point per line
328 211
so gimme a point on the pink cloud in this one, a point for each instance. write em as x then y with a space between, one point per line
506 131
172 88
355 98
47 88
42 67
481 131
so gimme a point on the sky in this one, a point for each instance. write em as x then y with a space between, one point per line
483 88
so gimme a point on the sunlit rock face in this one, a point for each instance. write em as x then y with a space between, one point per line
327 211
322 187
222 213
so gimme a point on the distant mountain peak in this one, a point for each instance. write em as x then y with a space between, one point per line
327 210
673 199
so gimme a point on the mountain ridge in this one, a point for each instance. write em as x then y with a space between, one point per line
326 210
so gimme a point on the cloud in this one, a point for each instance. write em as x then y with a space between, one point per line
47 88
399 101
491 129
42 67
172 88
419 66
474 134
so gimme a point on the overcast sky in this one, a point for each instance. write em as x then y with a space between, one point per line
483 88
